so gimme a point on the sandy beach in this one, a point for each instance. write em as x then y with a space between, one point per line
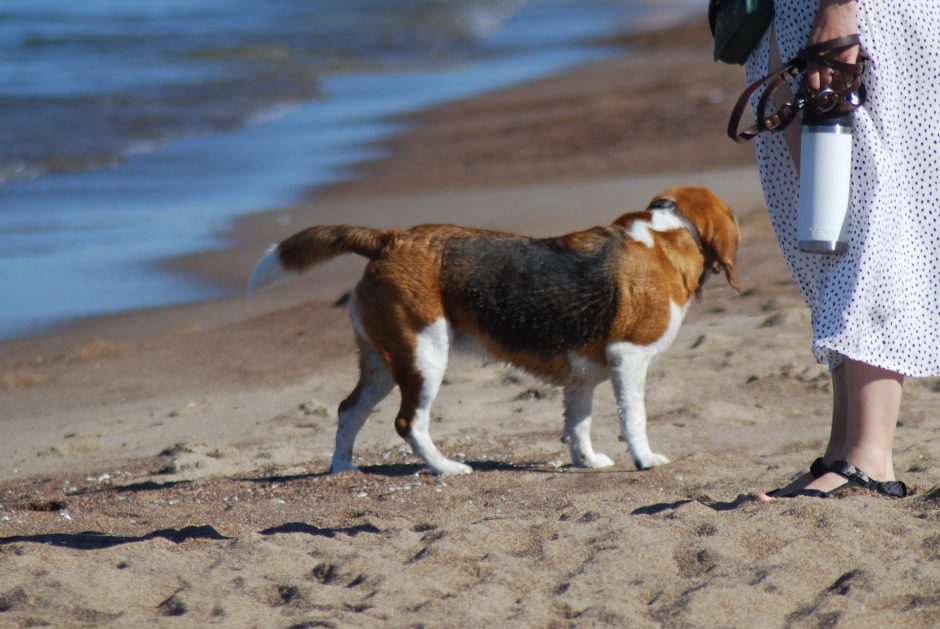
168 467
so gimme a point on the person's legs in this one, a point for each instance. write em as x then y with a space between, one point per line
866 401
873 403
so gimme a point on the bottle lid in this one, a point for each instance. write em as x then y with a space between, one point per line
827 118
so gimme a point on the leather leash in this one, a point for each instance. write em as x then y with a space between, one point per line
850 97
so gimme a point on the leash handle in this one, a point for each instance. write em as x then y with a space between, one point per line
853 95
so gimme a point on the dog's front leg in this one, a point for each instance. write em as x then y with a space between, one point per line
628 364
578 404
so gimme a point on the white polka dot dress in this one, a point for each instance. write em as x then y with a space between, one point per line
878 302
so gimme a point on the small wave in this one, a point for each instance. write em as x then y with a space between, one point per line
88 41
19 171
272 113
142 147
482 20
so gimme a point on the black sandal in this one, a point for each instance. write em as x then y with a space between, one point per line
855 478
817 469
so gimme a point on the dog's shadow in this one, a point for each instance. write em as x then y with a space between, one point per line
95 540
400 470
481 465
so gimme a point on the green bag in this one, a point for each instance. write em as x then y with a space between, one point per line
737 26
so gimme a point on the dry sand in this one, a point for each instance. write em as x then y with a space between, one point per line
168 467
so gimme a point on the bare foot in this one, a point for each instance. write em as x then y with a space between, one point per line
825 483
800 483
793 487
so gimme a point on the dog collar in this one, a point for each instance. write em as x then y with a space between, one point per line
668 205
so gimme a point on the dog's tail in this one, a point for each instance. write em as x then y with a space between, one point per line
312 246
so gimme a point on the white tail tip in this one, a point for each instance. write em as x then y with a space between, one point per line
268 272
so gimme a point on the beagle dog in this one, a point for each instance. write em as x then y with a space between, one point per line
574 310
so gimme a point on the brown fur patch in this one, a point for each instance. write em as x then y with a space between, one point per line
647 280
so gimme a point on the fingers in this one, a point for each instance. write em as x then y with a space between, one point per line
817 78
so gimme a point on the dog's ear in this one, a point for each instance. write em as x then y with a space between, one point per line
725 245
731 273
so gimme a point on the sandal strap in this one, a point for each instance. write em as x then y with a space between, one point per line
890 488
850 472
818 468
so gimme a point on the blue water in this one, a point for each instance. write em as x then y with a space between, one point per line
137 131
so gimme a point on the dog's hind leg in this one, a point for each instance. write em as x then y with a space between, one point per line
419 386
579 401
628 364
375 382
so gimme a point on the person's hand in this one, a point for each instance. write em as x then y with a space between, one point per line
835 18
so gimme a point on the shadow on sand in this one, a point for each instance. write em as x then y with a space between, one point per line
94 540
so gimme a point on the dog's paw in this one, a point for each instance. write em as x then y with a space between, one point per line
597 461
451 468
651 460
342 467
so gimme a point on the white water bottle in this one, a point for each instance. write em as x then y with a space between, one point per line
825 174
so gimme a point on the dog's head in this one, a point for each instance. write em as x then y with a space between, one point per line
716 224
